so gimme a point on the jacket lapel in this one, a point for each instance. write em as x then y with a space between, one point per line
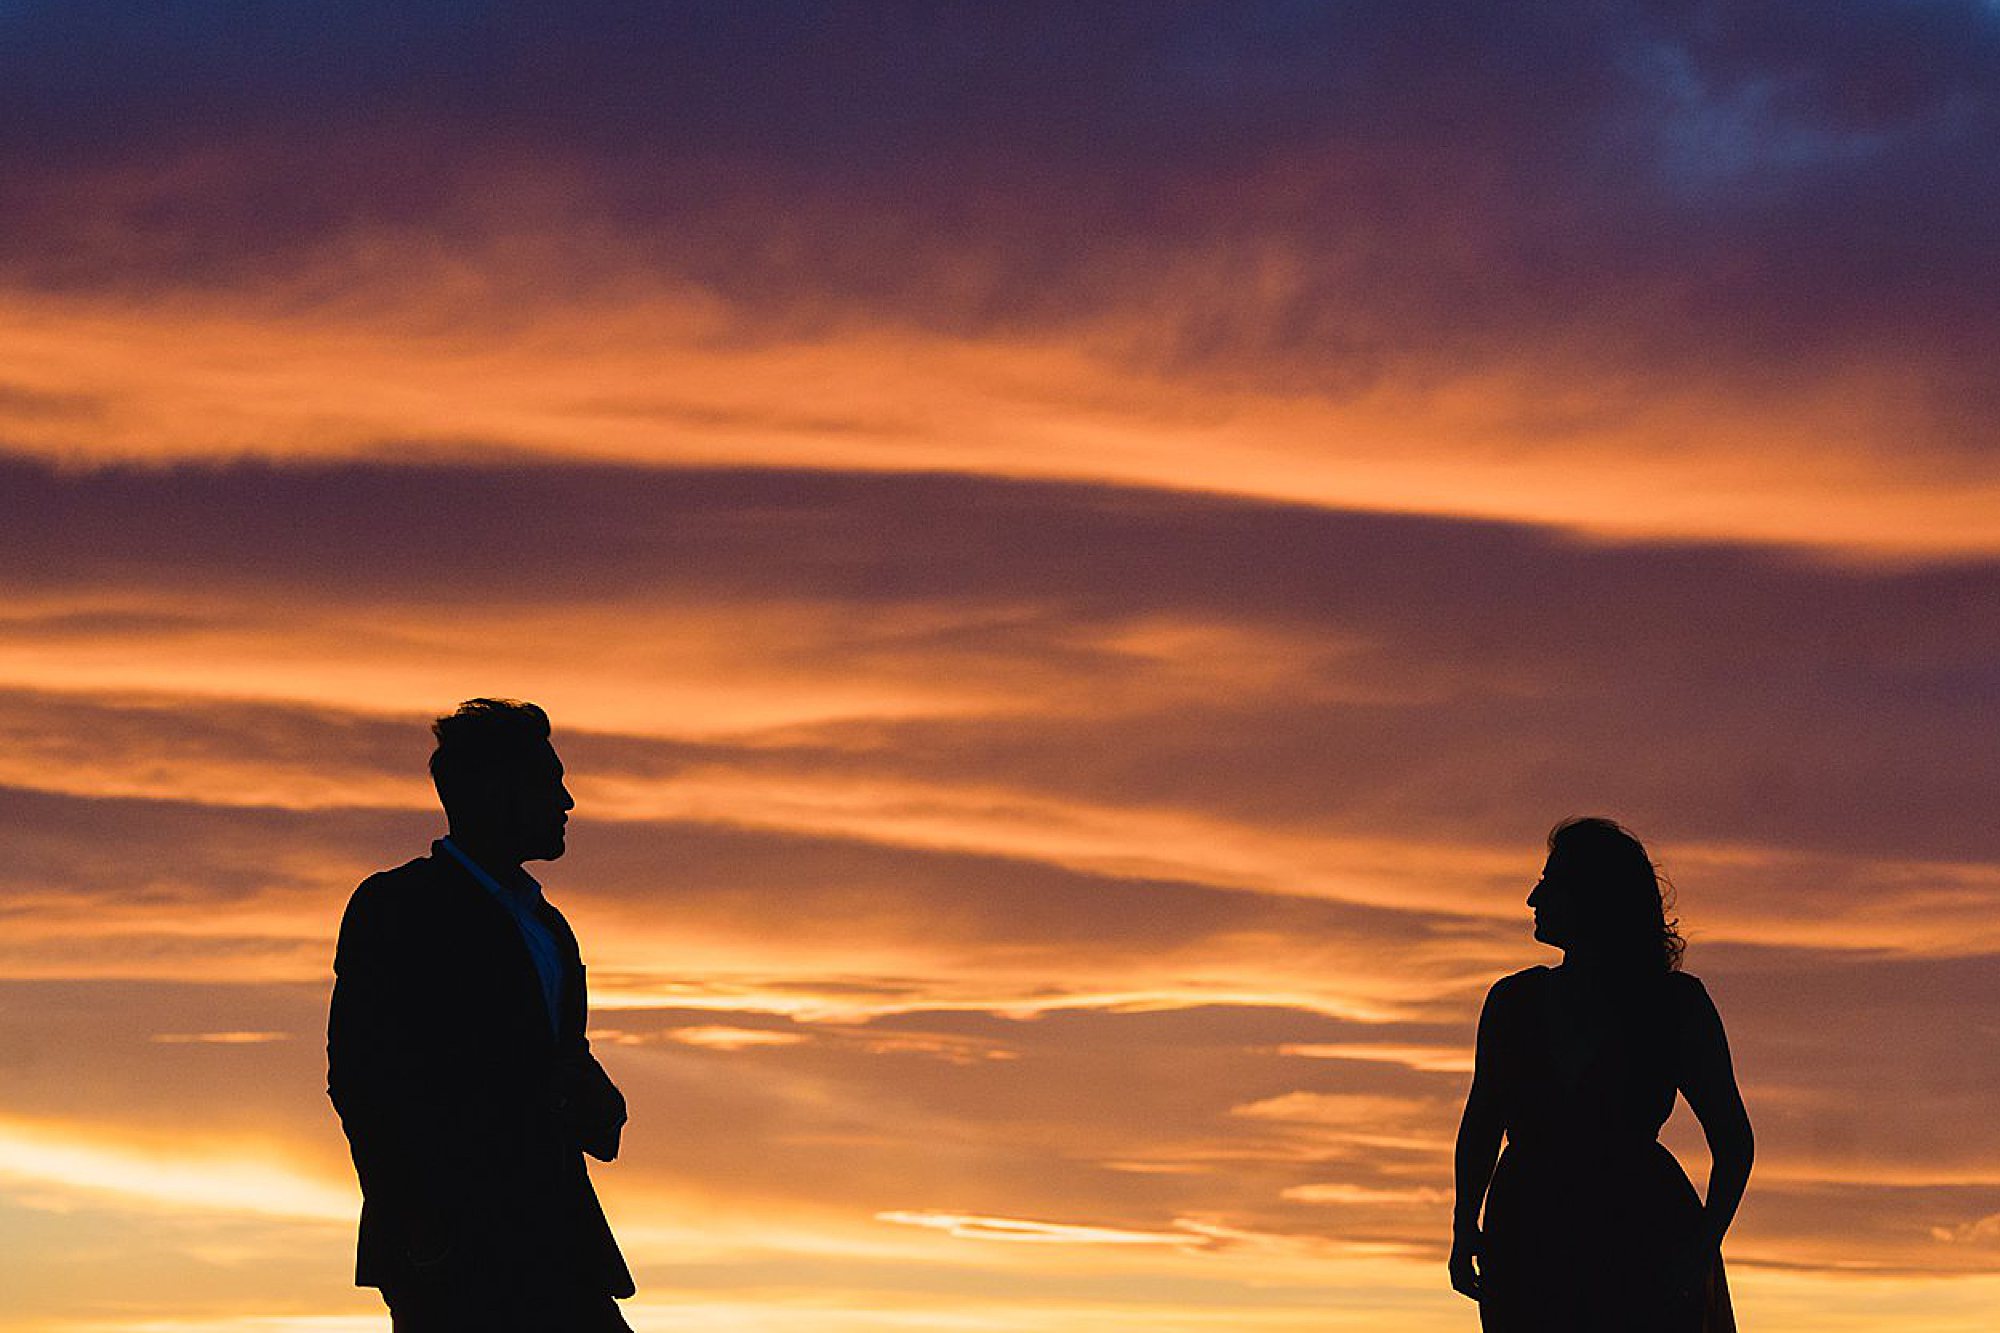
570 992
493 934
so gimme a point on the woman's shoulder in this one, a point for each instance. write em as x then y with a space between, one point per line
1516 984
1685 986
1689 1000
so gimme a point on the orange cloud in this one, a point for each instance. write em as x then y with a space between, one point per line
661 376
1019 1231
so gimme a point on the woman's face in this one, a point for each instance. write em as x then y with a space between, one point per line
1554 900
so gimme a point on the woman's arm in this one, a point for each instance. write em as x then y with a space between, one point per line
1709 1083
1479 1131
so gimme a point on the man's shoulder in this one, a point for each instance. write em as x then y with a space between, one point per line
416 870
396 892
395 910
413 876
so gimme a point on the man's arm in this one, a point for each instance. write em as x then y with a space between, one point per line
381 1082
591 1108
588 1104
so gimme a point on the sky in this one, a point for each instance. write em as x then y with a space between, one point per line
1075 551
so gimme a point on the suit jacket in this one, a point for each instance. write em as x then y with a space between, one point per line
467 1114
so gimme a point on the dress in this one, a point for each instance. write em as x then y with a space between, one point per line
1587 1212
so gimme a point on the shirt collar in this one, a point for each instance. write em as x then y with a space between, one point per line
486 877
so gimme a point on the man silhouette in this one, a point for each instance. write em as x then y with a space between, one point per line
457 1061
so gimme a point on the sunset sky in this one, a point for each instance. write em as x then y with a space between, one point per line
1075 551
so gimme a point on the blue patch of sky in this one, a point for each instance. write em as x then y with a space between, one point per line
1744 139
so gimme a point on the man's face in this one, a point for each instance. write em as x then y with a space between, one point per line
536 805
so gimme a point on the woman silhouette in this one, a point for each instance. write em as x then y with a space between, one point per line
1590 1224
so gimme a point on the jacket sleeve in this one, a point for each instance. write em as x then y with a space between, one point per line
588 1103
391 1102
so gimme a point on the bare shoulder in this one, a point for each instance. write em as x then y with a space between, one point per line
1689 1002
1686 988
1509 990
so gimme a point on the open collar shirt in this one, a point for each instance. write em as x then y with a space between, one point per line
522 905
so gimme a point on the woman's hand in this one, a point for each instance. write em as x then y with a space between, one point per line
1691 1267
1465 1249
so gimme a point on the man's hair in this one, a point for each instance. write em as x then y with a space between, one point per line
479 737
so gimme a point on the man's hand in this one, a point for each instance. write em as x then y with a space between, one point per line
590 1107
1466 1247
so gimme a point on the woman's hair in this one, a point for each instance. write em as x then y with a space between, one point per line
1622 898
